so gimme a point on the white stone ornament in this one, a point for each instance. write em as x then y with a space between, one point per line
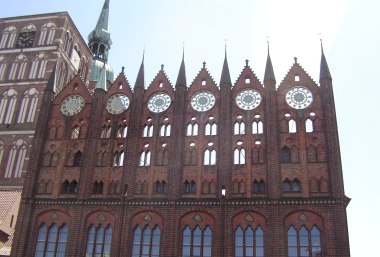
248 99
117 104
299 97
159 102
72 105
203 101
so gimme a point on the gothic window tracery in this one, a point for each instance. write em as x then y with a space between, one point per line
38 69
162 157
239 128
304 243
192 129
99 241
8 37
47 34
258 186
18 68
239 156
196 242
7 106
190 187
209 157
148 131
165 130
28 106
3 66
257 127
98 187
291 186
210 129
69 187
118 158
160 187
16 159
145 158
249 242
51 241
146 242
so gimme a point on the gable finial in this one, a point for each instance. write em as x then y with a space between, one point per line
246 62
204 65
295 59
162 67
122 69
183 50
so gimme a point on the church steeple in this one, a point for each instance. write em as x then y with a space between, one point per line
269 73
99 42
324 71
225 79
181 79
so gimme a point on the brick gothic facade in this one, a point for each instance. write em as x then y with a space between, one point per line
30 46
187 170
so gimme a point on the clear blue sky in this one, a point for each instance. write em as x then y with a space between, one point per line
351 35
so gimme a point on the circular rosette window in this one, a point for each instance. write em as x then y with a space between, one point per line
248 99
159 102
299 97
203 101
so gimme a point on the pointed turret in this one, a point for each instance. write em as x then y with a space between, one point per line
140 80
99 42
324 71
225 79
181 79
51 82
269 73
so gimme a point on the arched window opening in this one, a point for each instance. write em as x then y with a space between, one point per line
258 186
309 126
38 69
118 159
78 159
148 131
210 129
122 131
292 126
106 131
192 130
239 128
18 68
258 155
51 241
249 242
311 154
101 160
209 157
257 127
291 186
16 158
303 243
160 187
239 156
165 130
7 106
196 242
97 187
8 38
162 157
3 66
99 241
47 34
285 155
145 158
69 187
75 132
190 187
191 157
28 106
146 243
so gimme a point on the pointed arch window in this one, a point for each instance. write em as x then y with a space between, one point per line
292 126
239 156
52 241
258 155
28 106
258 186
249 242
99 241
69 187
239 128
257 127
190 187
106 131
16 159
146 243
162 157
67 42
75 132
309 126
37 71
7 106
3 66
165 130
145 158
239 186
208 187
192 129
160 187
285 155
122 131
191 156
8 38
78 159
47 34
18 68
304 243
62 76
101 160
148 131
196 242
98 187
291 186
210 129
118 159
209 157
50 159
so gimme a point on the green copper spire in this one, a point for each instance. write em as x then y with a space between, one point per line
99 40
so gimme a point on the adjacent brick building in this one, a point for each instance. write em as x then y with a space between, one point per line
199 169
30 46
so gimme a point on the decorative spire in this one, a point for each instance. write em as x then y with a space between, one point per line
269 73
51 82
181 79
99 40
140 80
102 81
324 71
225 79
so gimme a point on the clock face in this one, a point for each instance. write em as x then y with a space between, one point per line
299 97
25 39
117 104
72 105
203 101
159 102
248 99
